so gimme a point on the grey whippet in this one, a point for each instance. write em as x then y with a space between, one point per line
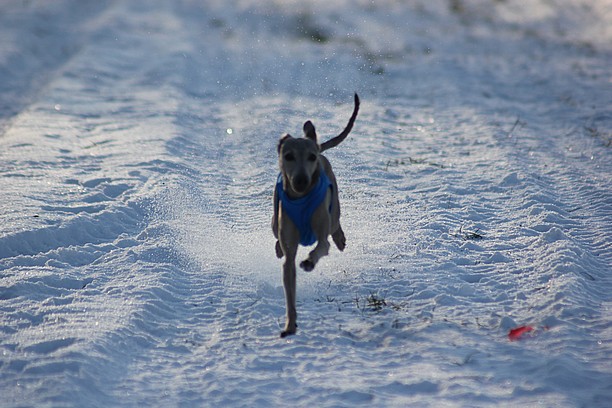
306 206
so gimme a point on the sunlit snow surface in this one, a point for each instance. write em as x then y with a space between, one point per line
137 160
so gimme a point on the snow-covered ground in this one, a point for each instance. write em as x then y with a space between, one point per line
137 160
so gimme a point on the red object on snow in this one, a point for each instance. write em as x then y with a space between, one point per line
516 333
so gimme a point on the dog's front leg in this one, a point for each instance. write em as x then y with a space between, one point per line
288 241
321 225
289 284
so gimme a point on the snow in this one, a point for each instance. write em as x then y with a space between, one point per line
137 161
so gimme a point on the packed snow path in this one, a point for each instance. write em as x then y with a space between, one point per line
137 161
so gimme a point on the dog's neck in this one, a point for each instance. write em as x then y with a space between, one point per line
292 194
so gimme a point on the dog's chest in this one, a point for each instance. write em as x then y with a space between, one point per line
301 210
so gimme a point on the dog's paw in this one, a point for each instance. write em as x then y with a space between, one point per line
288 331
279 250
307 265
340 243
339 239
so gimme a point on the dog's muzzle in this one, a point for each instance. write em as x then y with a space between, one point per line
300 182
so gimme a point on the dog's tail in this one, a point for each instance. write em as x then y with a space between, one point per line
338 139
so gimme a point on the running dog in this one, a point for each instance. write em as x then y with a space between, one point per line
306 206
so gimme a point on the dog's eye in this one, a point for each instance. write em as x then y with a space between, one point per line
312 157
289 157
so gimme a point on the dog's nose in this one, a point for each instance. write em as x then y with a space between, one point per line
300 182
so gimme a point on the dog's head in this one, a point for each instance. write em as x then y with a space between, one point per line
299 160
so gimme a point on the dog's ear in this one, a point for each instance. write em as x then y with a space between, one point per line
282 140
309 131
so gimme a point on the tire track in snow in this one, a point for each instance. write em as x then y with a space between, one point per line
105 231
567 203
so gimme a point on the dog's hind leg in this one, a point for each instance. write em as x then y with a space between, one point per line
275 218
339 238
278 249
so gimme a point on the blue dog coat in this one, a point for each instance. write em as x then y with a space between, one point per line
300 210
